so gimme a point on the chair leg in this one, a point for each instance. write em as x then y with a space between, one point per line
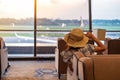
6 68
59 75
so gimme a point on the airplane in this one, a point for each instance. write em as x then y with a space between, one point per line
32 38
37 39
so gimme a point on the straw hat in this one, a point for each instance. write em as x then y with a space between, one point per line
76 38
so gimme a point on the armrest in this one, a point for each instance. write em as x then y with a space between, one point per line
88 68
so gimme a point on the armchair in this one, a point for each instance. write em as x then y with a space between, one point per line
112 45
60 65
3 58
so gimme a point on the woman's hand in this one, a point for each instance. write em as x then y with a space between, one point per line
100 46
89 35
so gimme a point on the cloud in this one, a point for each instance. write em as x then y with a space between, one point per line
68 1
106 9
54 1
64 10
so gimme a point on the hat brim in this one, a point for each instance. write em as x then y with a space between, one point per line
80 43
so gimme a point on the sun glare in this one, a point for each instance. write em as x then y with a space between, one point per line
49 2
17 8
25 8
44 2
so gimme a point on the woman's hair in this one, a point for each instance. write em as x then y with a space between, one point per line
74 48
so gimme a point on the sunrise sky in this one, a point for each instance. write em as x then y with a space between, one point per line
63 9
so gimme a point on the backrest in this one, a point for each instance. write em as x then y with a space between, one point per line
1 43
113 46
62 65
61 44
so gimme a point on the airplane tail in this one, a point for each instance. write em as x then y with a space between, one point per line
81 22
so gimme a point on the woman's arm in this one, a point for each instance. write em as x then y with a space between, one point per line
100 46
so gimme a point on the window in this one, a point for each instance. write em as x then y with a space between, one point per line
17 26
62 14
105 15
54 18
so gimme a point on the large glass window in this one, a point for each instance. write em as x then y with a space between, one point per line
106 15
17 26
17 23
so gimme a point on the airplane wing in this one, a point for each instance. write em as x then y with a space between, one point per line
38 39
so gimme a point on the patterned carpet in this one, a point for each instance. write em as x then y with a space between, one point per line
32 70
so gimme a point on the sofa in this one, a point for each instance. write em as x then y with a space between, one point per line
3 57
97 67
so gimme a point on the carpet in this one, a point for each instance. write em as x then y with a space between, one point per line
44 72
32 70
